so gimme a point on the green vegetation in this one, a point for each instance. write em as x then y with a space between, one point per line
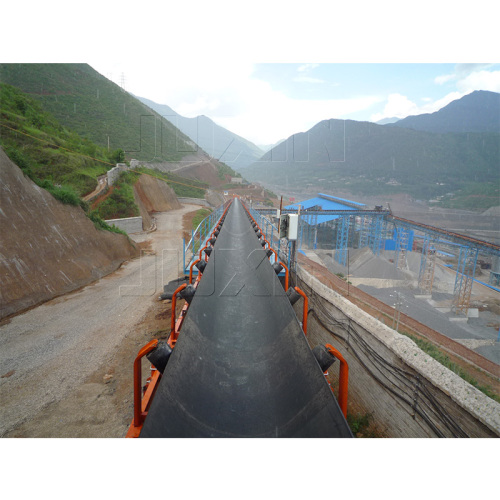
442 358
120 203
184 188
47 151
375 160
474 196
199 216
223 170
99 110
53 157
360 424
100 224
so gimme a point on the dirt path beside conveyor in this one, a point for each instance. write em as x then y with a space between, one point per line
66 366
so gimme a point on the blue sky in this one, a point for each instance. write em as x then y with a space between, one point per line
247 68
267 102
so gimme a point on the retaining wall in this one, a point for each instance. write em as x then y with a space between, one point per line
408 393
129 225
115 172
195 201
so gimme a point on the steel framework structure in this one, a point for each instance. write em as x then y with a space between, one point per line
342 239
377 229
427 264
466 270
402 238
364 231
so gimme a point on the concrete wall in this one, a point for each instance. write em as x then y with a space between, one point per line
408 393
195 201
115 172
129 225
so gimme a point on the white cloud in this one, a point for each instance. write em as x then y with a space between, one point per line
440 80
230 96
470 77
480 80
308 79
307 67
271 116
397 106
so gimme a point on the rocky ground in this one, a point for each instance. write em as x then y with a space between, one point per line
67 364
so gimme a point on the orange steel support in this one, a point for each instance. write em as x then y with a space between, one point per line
343 378
274 251
191 270
138 414
286 275
174 303
304 310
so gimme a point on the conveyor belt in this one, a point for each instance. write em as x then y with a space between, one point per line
241 366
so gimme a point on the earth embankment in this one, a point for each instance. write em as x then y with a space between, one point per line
155 195
48 248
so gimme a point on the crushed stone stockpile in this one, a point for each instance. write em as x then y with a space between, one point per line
48 248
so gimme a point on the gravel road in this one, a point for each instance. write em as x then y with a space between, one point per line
54 356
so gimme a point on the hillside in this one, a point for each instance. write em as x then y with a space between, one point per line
46 150
366 158
217 141
99 110
48 248
478 111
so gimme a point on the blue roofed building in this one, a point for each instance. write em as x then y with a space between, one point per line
324 202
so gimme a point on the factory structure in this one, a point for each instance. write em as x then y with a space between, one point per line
339 225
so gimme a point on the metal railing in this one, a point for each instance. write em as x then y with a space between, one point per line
200 235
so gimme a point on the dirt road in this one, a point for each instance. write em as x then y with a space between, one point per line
63 372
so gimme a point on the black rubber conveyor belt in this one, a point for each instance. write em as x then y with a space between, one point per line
241 366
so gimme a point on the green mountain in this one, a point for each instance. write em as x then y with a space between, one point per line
217 141
478 111
44 149
366 158
99 110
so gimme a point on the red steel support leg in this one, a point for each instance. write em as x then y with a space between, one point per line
343 378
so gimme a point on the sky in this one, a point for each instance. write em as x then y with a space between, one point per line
267 70
265 103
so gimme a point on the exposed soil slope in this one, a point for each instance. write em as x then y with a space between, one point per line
203 171
48 248
155 194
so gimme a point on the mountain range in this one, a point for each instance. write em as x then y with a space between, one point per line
217 141
88 103
478 111
456 151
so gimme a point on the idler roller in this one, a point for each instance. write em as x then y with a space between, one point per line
277 267
188 293
324 358
201 265
293 295
159 357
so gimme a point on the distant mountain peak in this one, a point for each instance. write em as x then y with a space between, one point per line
218 142
478 111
